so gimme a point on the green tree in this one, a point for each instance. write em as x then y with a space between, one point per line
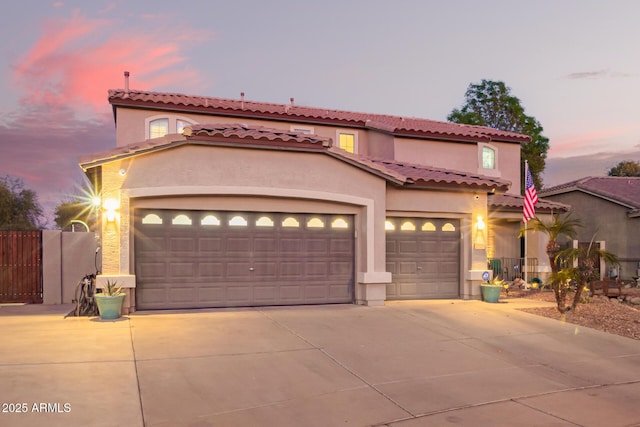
491 104
78 205
625 168
19 207
73 210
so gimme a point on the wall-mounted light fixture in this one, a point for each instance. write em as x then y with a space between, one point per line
479 241
111 206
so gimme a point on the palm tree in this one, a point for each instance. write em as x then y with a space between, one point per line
559 226
585 271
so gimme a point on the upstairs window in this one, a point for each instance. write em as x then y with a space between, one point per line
348 141
162 125
180 125
158 128
488 158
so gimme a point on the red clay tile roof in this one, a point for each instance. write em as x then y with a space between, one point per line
514 202
254 132
406 126
618 189
426 176
252 136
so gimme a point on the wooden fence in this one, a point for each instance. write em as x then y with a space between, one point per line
21 266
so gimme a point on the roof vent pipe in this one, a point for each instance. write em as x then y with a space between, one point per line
291 99
242 100
126 82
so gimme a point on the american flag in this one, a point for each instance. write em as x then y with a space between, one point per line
530 196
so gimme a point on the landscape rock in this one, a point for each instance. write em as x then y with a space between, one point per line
635 301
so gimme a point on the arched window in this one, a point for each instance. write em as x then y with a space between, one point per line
428 226
151 219
315 222
408 226
264 221
290 222
181 220
339 223
448 227
158 128
238 221
160 125
210 220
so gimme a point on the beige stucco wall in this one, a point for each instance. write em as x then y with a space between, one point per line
131 124
462 157
451 155
200 177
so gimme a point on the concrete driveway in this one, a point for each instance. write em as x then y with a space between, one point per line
420 363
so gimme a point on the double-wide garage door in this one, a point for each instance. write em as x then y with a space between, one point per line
192 259
423 256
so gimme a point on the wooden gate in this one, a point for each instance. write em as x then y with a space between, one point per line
21 266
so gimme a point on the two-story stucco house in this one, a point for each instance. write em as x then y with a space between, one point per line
213 202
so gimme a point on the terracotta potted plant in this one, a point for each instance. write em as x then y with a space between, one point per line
491 289
110 301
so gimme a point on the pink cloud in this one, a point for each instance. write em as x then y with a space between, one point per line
77 59
64 78
599 139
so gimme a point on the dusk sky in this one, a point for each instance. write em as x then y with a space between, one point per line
575 66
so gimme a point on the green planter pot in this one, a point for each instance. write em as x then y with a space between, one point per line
490 293
109 307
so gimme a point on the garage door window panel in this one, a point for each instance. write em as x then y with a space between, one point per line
210 220
238 221
152 219
264 221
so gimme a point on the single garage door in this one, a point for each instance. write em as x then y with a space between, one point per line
423 256
193 259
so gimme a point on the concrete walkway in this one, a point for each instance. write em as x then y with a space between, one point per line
419 363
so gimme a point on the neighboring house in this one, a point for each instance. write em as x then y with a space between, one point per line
609 208
213 202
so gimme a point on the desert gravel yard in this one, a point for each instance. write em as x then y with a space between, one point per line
601 313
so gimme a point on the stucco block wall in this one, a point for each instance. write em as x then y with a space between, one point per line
67 258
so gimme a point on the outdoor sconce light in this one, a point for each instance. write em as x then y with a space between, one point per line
110 206
479 241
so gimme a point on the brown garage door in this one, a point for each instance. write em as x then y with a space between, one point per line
423 256
192 259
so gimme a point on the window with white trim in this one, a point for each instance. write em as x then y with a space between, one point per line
161 125
158 128
488 159
347 140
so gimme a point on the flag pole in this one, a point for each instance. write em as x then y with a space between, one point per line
526 249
